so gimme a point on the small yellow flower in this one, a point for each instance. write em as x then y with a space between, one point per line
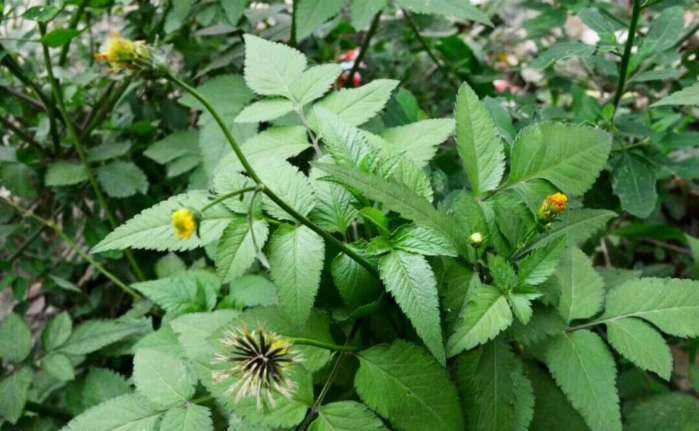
184 222
553 206
121 53
476 238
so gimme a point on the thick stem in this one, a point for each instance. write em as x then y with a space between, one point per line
294 14
270 194
365 44
77 143
626 57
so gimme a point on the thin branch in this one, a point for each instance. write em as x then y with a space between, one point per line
626 57
294 14
20 133
37 105
74 20
365 44
227 196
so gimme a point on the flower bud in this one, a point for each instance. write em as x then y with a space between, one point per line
121 53
476 239
553 206
184 223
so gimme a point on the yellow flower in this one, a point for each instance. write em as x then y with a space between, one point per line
184 222
121 53
553 206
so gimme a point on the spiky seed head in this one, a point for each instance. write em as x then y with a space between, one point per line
257 364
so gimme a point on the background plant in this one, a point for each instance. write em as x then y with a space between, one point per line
405 239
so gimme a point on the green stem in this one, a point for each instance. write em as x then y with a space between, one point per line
73 245
20 133
270 194
74 20
294 14
626 57
227 196
77 143
365 44
322 345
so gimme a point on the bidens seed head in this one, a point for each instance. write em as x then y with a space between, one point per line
121 53
184 223
553 206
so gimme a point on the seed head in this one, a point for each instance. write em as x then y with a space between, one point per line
184 223
257 364
121 53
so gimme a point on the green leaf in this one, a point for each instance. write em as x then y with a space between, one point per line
13 394
20 179
271 68
168 265
484 315
671 304
58 366
634 181
57 331
418 240
638 342
399 381
665 30
173 146
183 293
316 81
268 148
537 267
581 287
236 251
686 96
489 380
604 26
92 335
311 14
59 37
545 323
233 10
356 106
478 143
585 370
570 157
194 329
291 185
101 385
672 411
461 9
107 151
346 416
177 15
190 417
356 285
576 226
132 412
552 411
227 93
409 278
163 379
121 179
504 276
296 256
15 339
62 173
152 228
163 340
363 12
419 141
265 110
562 51
396 197
347 144
521 304
334 210
251 291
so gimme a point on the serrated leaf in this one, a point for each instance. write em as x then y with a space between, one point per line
236 251
686 96
152 228
183 293
576 226
62 173
163 379
584 368
363 12
670 304
58 366
190 417
396 197
227 93
634 181
92 335
478 143
15 339
545 323
419 140
132 412
398 382
346 416
484 315
101 385
289 184
121 179
13 394
56 332
552 411
194 329
107 151
641 344
296 256
461 9
233 10
672 411
315 82
265 110
334 210
581 287
270 67
570 157
356 106
311 14
251 291
418 240
410 280
173 146
665 30
562 51
347 144
537 267
356 285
